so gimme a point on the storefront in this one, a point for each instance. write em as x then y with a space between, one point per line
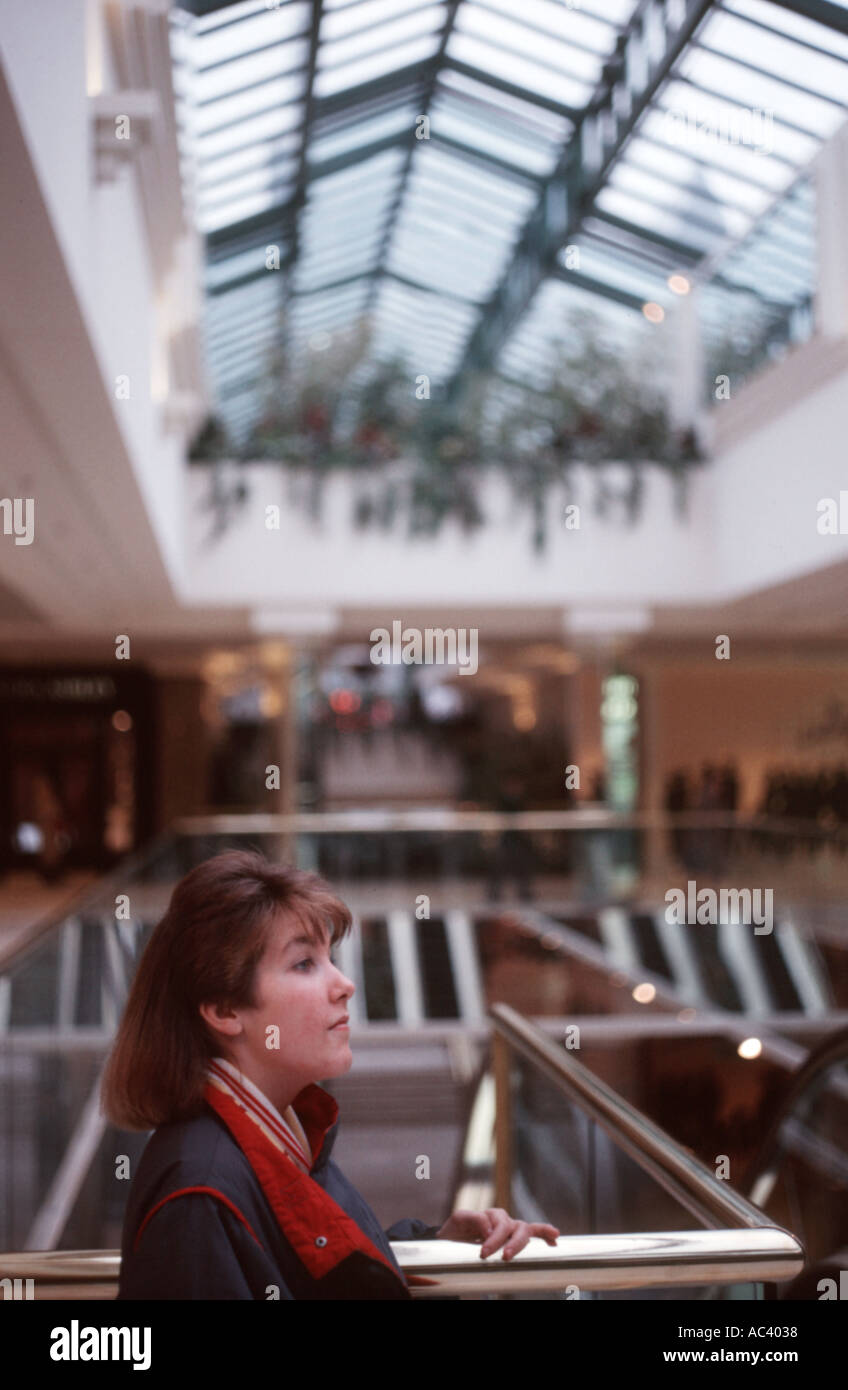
76 765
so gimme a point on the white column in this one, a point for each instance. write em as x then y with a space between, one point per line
831 181
686 379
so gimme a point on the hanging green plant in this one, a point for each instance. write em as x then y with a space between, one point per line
425 459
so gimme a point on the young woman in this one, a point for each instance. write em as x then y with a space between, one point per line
236 1012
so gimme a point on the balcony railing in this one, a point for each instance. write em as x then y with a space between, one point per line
743 1246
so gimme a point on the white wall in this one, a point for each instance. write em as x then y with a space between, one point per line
50 51
768 484
751 523
306 562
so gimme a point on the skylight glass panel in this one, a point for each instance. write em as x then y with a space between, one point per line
249 103
338 262
778 55
309 307
762 93
533 76
393 19
603 266
681 168
524 114
308 316
241 264
260 339
279 181
654 219
490 136
672 130
454 275
354 223
225 79
436 356
336 78
544 327
249 132
429 311
632 248
218 37
325 217
245 299
213 219
221 349
722 127
347 224
372 173
329 247
315 273
518 39
507 194
618 12
435 188
355 134
796 26
390 34
213 171
662 193
569 23
452 226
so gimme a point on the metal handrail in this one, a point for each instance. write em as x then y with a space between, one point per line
688 1180
438 818
393 821
92 898
441 1268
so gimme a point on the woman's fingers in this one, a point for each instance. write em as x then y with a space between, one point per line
495 1228
517 1240
545 1231
513 1235
501 1228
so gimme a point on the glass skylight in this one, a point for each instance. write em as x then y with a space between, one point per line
312 140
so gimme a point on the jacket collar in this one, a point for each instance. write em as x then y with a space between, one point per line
318 1112
320 1232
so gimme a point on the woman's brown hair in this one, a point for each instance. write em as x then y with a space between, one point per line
205 950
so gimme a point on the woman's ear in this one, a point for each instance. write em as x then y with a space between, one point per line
221 1019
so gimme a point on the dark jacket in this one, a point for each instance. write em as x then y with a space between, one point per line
214 1212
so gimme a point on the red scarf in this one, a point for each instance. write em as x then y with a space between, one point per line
319 1231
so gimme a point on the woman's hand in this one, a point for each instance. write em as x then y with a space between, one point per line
495 1228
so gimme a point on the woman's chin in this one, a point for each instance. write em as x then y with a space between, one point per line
343 1062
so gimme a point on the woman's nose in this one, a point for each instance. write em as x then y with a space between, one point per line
343 984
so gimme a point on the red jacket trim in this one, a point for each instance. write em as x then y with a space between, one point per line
304 1211
206 1191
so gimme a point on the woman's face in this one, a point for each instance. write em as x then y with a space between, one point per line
296 1033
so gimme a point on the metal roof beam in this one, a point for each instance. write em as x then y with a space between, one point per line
201 8
380 274
320 169
821 11
394 211
298 197
682 254
587 282
631 79
400 140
